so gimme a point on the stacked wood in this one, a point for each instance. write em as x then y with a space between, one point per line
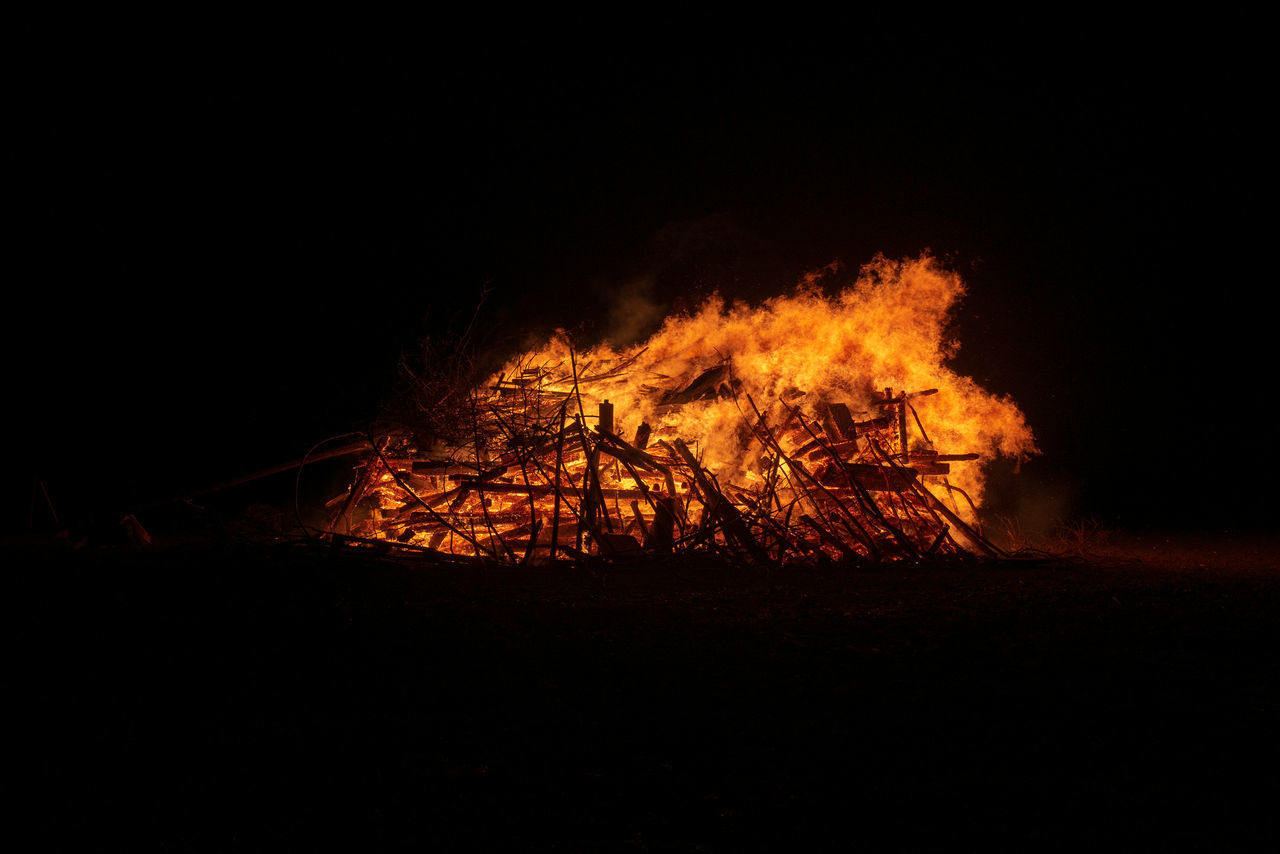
536 480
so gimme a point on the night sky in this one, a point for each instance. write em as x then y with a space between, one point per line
233 251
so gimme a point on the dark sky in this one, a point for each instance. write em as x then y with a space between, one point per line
234 249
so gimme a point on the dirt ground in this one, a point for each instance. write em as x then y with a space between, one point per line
213 698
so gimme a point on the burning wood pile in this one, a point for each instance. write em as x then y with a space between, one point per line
696 442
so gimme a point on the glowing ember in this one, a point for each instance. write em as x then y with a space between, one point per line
811 425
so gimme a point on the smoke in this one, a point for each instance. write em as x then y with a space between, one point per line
634 314
688 260
1028 504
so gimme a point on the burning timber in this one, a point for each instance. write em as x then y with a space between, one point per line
760 434
533 471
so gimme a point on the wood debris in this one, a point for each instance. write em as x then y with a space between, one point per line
534 475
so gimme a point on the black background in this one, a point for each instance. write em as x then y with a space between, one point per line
233 248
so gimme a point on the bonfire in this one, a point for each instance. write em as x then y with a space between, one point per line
813 427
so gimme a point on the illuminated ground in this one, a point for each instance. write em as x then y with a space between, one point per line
274 698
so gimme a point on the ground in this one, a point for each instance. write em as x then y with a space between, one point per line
280 697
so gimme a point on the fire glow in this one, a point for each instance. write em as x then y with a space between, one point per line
810 427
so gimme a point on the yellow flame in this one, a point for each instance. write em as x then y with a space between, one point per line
885 330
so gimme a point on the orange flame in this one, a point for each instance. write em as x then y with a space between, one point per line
886 330
735 397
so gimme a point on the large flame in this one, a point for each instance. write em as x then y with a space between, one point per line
886 330
812 424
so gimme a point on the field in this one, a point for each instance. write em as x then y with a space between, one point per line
281 697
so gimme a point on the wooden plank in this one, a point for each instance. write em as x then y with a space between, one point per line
842 420
935 469
840 449
874 478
